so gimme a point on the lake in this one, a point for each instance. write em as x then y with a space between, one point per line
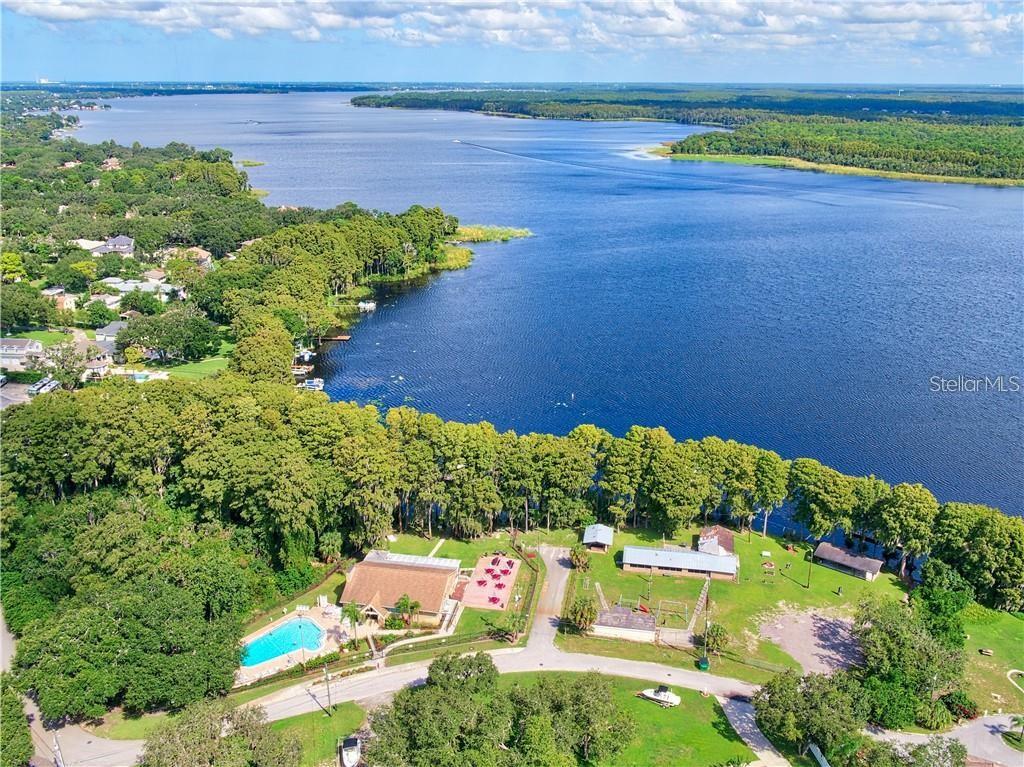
806 313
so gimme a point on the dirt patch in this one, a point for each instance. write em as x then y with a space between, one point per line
820 642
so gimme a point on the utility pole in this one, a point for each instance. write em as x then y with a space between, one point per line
810 562
327 681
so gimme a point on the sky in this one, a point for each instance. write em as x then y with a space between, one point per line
746 41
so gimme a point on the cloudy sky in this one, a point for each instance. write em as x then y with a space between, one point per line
923 41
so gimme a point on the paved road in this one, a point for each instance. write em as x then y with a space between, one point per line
81 749
982 737
540 654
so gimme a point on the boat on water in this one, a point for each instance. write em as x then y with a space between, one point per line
312 384
367 306
351 751
305 355
661 695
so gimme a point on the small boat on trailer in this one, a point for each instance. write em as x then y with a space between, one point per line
661 695
351 751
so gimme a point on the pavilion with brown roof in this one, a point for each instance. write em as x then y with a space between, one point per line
378 582
847 561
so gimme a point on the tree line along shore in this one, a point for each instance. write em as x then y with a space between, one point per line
177 509
932 135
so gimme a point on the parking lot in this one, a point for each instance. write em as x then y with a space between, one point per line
13 394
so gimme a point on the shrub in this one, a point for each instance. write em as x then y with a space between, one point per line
582 613
934 715
579 557
394 622
716 638
23 376
960 705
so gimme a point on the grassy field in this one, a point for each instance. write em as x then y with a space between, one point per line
483 233
467 552
193 371
117 726
696 733
318 733
794 163
1014 740
739 606
411 543
45 337
1003 633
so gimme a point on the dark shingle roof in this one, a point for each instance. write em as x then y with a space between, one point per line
839 556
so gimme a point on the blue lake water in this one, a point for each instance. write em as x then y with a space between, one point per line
802 312
286 638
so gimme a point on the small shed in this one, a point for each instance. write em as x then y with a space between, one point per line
598 538
840 559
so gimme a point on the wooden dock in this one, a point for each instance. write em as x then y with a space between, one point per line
337 338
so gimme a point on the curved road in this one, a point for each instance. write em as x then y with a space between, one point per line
81 749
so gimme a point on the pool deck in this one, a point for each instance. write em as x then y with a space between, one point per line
335 635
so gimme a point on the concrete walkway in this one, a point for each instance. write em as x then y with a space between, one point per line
437 547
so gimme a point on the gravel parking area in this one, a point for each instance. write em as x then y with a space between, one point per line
820 643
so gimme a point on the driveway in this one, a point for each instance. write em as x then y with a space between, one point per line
13 394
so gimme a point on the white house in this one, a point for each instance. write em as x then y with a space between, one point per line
15 352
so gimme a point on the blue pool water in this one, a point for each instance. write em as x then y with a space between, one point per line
805 313
286 638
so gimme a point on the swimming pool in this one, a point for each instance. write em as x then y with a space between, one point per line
286 638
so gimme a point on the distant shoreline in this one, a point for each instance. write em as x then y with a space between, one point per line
793 163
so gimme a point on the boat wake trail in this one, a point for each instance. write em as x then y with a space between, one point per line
699 182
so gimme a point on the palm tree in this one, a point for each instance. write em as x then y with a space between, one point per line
352 612
1017 720
407 607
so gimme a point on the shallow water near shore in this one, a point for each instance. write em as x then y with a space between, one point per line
807 313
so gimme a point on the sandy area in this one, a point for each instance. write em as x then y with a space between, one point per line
820 642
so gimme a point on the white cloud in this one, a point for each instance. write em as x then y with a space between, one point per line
949 27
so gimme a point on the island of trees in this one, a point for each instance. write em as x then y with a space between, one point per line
945 134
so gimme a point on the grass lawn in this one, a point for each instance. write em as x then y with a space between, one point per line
117 726
193 371
411 543
45 337
470 551
696 733
319 733
331 588
739 606
1014 740
1003 633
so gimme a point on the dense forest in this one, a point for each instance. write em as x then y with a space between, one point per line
902 145
139 512
954 133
